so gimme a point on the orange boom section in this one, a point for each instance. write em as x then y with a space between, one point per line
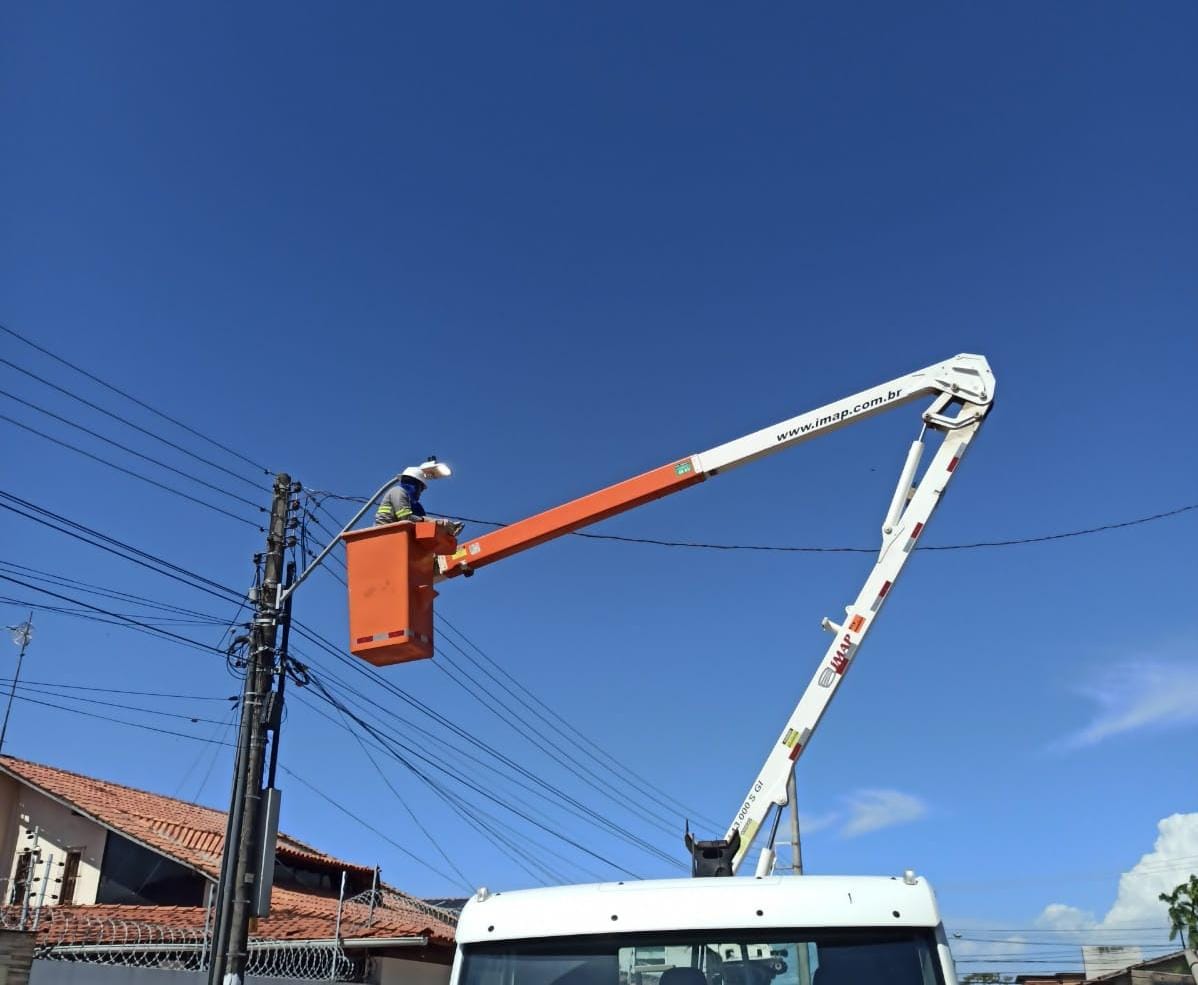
391 571
571 516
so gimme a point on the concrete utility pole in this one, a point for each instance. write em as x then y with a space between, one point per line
244 830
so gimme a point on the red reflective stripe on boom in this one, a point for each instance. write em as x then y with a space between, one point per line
953 464
916 530
885 589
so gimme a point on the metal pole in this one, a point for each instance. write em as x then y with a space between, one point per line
209 899
374 895
25 637
259 671
41 893
37 834
337 932
796 848
796 865
340 902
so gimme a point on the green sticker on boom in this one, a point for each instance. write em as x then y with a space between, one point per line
683 467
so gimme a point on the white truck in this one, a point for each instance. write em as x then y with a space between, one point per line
809 930
787 930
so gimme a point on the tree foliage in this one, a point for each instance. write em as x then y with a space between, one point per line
1183 912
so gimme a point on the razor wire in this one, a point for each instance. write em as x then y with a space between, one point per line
71 935
366 909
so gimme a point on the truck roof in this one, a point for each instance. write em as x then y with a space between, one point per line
699 904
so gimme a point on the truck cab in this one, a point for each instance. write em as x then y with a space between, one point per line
778 930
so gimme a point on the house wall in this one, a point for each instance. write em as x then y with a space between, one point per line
400 971
82 973
16 956
61 830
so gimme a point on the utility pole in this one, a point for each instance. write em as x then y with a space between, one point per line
21 635
239 863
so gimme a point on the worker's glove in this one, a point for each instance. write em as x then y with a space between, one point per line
455 526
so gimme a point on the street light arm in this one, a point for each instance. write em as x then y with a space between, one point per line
316 561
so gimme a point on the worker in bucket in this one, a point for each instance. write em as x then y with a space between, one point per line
402 502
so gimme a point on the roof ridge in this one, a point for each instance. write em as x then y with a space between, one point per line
109 783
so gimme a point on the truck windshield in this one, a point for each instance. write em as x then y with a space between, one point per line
859 957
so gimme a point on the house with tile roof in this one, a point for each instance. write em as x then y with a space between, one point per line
82 857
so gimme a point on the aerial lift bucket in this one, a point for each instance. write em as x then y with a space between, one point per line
390 571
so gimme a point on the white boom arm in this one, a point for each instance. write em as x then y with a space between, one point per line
963 384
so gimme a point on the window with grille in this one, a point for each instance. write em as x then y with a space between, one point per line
20 880
70 873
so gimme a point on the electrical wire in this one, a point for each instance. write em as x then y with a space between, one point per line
133 451
116 615
386 741
469 813
572 804
465 882
79 531
548 747
539 738
64 581
615 796
115 721
194 719
121 549
140 403
199 738
51 685
655 542
130 472
605 759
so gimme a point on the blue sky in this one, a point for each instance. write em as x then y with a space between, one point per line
557 246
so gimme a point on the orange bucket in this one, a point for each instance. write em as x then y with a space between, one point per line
391 569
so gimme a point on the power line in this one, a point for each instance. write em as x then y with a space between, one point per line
217 742
569 803
485 695
130 472
50 685
195 719
133 451
115 721
129 396
191 578
128 423
655 542
63 581
79 531
630 775
187 640
386 741
367 825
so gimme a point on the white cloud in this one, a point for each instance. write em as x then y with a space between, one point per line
873 810
1147 693
1173 857
1060 916
817 822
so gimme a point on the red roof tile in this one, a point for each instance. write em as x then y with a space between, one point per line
194 835
189 833
294 916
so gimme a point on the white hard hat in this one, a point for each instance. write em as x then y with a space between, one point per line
432 469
